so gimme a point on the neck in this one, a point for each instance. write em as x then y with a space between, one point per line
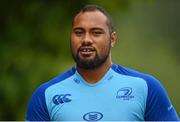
94 75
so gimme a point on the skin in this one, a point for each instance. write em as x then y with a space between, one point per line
91 28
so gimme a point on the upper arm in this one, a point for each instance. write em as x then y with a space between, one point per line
158 104
37 109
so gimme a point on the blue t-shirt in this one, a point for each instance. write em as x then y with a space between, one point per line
122 94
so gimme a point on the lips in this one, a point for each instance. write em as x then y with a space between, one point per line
86 50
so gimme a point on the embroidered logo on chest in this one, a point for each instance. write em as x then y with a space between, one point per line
125 93
62 98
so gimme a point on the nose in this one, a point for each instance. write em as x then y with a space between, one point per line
87 40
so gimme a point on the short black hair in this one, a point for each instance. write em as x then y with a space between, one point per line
91 8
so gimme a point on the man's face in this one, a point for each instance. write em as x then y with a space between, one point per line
90 39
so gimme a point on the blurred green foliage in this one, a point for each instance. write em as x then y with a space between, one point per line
34 44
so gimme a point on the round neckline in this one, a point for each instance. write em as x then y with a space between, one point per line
104 78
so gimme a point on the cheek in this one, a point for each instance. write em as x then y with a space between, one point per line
104 46
74 46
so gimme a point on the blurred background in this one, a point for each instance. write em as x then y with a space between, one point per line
34 44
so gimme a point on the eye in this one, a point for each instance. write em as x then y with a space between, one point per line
78 32
97 33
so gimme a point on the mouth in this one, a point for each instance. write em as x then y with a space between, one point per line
86 51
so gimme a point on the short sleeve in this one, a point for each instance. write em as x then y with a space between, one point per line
37 109
158 104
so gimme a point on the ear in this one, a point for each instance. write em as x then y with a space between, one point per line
113 39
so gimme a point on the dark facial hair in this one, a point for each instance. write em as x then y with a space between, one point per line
93 63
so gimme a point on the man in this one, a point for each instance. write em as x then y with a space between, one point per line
96 89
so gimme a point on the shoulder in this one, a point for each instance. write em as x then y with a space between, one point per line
150 80
55 80
37 107
158 104
154 87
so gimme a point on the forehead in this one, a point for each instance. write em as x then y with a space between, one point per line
90 19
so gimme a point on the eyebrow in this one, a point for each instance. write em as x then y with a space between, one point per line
97 28
78 28
94 28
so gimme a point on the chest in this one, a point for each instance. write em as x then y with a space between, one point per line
105 103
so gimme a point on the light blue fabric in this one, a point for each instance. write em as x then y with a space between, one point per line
100 97
122 94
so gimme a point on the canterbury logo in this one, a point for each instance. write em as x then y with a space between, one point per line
62 98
